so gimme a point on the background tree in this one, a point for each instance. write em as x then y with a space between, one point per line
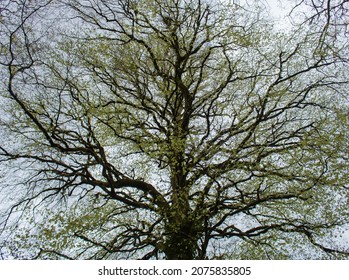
171 129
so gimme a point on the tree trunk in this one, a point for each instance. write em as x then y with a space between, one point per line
180 246
182 234
182 228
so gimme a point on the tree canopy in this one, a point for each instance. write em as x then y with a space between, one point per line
176 129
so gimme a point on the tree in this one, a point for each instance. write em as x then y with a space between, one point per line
172 128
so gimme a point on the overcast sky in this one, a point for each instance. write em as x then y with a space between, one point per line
280 10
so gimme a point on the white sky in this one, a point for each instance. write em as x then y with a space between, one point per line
280 10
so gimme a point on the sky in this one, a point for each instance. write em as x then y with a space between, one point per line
280 10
